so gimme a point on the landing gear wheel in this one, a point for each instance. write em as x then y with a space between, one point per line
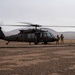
45 42
35 43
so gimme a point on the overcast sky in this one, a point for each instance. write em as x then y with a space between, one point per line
45 12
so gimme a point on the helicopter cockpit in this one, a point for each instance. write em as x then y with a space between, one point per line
48 34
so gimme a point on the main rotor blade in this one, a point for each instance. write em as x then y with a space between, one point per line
34 25
59 26
37 25
18 25
26 23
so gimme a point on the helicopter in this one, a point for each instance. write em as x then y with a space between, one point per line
34 35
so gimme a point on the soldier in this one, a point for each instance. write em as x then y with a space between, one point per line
62 38
58 38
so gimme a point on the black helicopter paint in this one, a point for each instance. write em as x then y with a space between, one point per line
31 35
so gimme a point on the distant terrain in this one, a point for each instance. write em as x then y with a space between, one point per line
67 35
19 58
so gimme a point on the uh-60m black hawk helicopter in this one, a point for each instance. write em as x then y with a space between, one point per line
34 35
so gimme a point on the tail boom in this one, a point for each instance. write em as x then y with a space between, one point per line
2 36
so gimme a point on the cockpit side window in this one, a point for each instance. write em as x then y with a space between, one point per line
31 35
45 34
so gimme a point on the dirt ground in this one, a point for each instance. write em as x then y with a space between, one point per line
24 59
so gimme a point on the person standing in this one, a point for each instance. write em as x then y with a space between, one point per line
62 38
58 38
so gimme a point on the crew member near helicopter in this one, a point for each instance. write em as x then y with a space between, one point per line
58 38
62 38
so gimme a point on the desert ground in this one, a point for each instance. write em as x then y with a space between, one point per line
19 58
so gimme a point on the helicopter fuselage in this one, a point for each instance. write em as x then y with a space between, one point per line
32 37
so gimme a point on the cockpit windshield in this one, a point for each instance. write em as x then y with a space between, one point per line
50 35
